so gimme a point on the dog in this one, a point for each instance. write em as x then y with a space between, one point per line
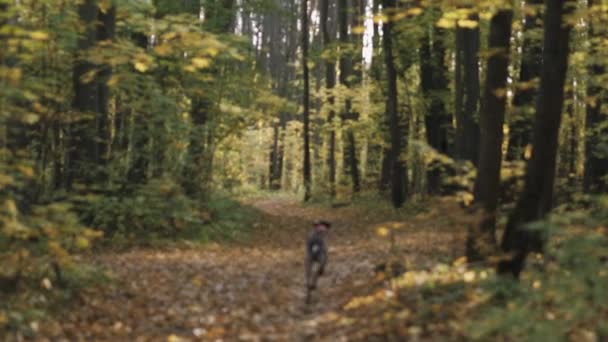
316 253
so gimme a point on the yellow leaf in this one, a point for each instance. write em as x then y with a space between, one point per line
82 242
39 35
466 23
201 63
469 276
382 231
30 118
141 67
445 23
162 50
212 51
113 80
528 152
415 11
358 30
25 170
11 207
460 261
174 338
168 35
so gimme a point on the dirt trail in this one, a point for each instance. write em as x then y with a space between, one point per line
251 291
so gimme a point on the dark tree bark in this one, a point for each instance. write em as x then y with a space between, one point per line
434 84
596 158
520 127
346 68
140 140
536 199
81 147
330 83
306 101
481 241
467 93
197 173
105 35
397 184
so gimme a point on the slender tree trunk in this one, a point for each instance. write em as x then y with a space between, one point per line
481 241
397 186
306 102
467 92
105 35
330 83
81 147
520 127
434 84
536 200
346 60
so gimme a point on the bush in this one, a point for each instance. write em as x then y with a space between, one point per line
157 209
564 294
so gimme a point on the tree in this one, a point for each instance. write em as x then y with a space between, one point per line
86 100
434 83
536 200
467 91
520 125
330 83
346 60
394 160
306 101
481 242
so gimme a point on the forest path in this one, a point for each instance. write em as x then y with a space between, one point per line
249 291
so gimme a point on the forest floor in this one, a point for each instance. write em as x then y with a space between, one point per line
252 290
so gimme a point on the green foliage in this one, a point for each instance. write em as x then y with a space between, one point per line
563 296
159 208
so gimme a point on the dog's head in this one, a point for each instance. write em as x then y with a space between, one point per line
321 225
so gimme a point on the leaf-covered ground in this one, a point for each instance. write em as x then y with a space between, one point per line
253 290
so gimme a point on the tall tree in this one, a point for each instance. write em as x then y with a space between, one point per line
520 125
346 68
105 35
306 101
481 241
467 91
330 83
434 84
596 155
81 145
536 200
394 161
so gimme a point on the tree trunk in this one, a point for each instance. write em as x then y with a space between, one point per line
306 101
481 241
81 147
536 199
105 35
397 186
434 84
346 61
467 92
520 127
330 83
